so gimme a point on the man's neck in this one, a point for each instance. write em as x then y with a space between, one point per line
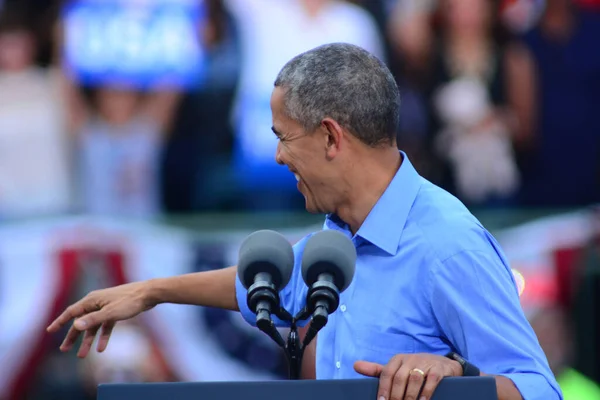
371 176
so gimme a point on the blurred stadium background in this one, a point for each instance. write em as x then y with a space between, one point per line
135 142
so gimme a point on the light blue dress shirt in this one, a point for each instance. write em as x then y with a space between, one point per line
429 279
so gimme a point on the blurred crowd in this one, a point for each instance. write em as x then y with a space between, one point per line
141 109
499 100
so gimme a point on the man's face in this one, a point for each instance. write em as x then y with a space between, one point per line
307 156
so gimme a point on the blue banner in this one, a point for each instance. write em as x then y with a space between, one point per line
137 44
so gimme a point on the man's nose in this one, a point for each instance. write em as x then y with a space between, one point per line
278 158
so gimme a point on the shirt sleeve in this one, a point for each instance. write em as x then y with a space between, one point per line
292 297
476 303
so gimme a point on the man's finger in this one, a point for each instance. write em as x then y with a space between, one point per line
399 383
92 320
73 311
86 343
386 379
70 339
434 377
414 385
368 368
107 329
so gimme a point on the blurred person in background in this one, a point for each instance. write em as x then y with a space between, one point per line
34 160
119 120
560 158
272 32
410 33
403 25
119 138
410 36
382 12
199 149
481 99
118 133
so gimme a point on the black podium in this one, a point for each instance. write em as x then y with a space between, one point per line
463 388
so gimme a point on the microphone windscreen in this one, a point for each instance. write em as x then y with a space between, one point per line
332 252
266 251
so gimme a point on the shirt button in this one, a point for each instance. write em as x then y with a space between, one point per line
343 308
338 364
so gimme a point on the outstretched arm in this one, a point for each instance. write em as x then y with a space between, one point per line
102 309
208 289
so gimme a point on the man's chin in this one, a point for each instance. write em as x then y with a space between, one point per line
311 207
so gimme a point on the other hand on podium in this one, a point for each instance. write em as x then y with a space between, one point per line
405 374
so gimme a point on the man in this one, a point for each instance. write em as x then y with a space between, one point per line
34 165
429 278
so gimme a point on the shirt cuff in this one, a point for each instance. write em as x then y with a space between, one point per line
533 386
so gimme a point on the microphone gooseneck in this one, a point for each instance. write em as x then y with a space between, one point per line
263 300
323 295
322 299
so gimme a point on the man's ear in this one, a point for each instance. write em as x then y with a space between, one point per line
334 137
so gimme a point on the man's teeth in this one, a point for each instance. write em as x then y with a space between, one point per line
297 177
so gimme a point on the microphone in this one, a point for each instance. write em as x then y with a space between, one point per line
328 266
266 262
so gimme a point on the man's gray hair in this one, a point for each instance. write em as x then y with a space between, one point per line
346 83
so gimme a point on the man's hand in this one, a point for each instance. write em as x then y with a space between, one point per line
101 308
405 374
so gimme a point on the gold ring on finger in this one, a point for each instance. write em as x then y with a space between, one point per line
417 370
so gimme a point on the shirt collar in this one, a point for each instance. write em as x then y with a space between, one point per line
384 225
